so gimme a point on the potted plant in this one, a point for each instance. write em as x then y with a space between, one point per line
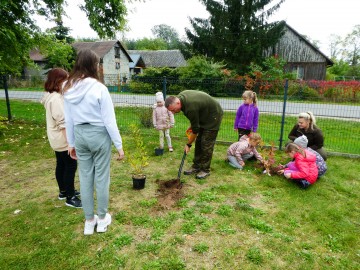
138 158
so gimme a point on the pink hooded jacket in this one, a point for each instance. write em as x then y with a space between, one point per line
306 166
162 118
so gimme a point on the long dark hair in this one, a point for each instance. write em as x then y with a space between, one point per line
55 79
86 66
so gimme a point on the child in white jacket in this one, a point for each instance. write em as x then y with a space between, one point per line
163 120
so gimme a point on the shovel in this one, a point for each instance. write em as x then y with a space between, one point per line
176 183
181 166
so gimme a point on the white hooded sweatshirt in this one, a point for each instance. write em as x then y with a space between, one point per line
89 101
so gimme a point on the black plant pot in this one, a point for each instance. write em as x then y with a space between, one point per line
159 151
138 182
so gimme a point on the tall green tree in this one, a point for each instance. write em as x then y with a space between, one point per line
62 32
346 55
335 46
19 32
352 46
200 67
146 44
168 34
58 53
237 31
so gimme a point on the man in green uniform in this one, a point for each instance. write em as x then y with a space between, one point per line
205 115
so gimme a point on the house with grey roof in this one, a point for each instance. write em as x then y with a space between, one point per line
114 60
40 61
137 65
160 58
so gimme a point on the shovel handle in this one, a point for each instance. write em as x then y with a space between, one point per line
181 164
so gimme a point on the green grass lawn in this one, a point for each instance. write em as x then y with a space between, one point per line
231 220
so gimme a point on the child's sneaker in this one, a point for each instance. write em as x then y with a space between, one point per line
74 202
62 195
171 149
103 223
304 184
90 226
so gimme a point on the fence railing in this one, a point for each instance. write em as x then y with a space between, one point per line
346 78
337 114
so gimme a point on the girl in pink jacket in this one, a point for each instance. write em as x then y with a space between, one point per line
163 120
303 169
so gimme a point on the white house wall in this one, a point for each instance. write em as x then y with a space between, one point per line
112 75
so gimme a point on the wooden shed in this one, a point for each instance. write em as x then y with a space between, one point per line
302 57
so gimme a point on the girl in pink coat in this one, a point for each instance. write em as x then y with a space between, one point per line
163 120
303 169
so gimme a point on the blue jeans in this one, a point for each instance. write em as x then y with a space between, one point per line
234 163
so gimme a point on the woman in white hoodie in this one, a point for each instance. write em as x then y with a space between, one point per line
55 127
90 128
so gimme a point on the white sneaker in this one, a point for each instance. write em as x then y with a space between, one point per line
90 226
103 223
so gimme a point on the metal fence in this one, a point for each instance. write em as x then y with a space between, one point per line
337 114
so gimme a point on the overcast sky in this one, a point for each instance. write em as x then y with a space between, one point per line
317 19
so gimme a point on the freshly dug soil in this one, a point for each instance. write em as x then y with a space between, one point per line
273 169
169 192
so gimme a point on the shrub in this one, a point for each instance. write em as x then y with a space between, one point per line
3 126
174 89
139 87
145 116
137 157
301 91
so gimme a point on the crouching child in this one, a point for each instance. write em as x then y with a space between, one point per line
303 169
244 149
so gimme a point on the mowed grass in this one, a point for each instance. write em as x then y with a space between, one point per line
231 220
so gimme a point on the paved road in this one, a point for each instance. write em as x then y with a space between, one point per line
292 108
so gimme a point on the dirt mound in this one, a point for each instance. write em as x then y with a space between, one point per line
273 170
169 192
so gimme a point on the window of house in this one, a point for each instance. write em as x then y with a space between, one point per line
117 52
299 71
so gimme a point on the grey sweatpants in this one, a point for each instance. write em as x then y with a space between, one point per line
93 150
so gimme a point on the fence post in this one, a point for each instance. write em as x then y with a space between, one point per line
283 113
164 87
7 98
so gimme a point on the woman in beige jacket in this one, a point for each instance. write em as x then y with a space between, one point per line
55 126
